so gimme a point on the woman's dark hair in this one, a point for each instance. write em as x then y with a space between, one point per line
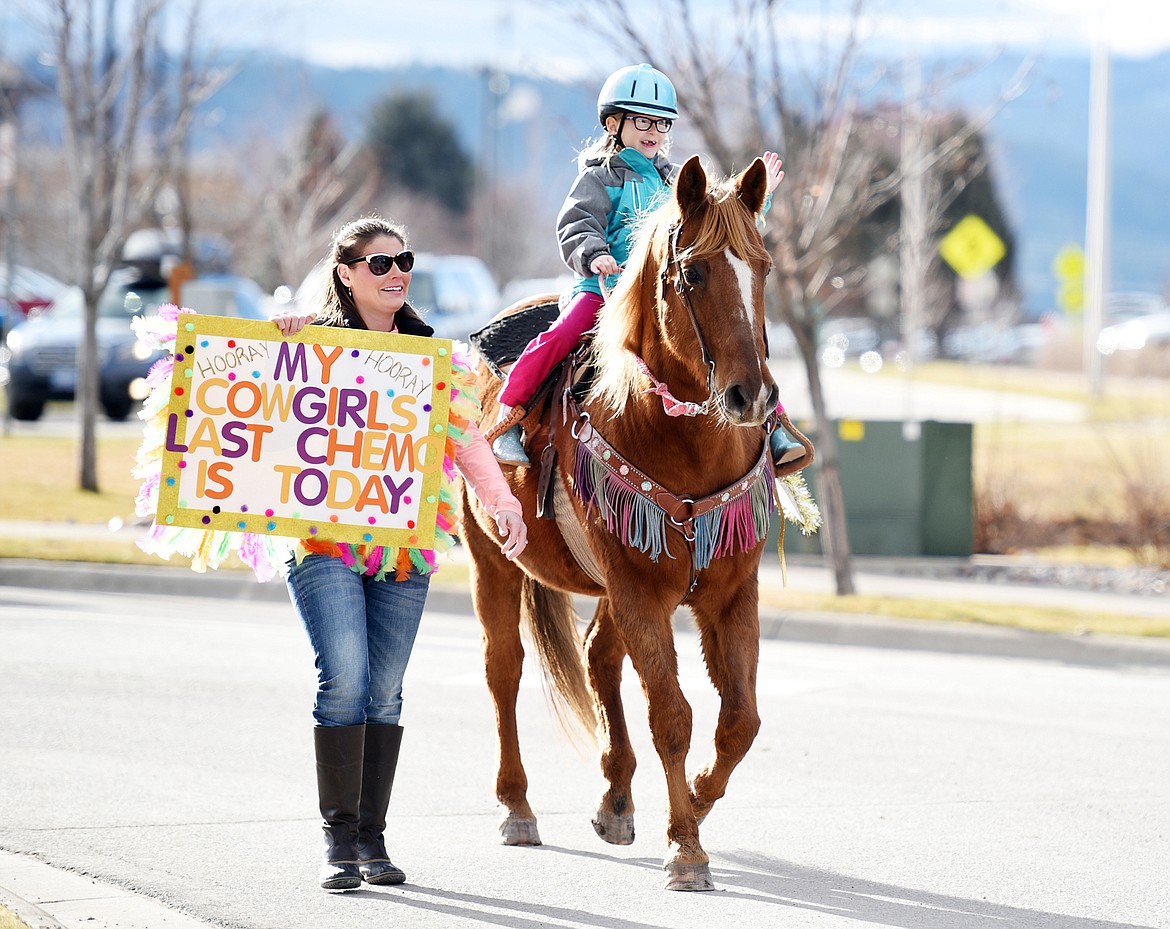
337 306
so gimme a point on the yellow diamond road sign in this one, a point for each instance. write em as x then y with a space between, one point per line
971 247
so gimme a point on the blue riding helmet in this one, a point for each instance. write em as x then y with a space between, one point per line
637 89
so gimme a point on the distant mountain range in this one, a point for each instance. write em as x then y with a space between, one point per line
1039 143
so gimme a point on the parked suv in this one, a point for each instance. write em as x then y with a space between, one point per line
42 352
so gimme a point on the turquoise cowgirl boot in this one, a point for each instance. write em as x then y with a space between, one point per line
509 447
784 448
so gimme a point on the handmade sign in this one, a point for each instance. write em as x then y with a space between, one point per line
332 435
336 433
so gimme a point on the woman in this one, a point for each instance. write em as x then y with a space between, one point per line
362 609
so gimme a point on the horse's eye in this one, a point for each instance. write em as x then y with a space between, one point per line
693 276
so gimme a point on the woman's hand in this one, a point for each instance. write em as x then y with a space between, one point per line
511 526
290 322
772 165
604 264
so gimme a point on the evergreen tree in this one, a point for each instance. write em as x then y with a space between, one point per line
417 150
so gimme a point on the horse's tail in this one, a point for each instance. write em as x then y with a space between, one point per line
553 624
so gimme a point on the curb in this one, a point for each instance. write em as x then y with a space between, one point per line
850 629
26 912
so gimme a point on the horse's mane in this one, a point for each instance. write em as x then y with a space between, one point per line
723 225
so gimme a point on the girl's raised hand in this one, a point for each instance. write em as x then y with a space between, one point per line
772 165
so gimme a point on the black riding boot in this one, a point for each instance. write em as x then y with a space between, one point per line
339 787
381 759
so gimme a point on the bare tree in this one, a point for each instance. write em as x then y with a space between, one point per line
128 110
324 183
745 86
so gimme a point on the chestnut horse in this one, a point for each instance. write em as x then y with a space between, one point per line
685 321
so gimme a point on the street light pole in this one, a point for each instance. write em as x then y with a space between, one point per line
1097 209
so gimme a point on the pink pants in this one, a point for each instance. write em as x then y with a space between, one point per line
550 348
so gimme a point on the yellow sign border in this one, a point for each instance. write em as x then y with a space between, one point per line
173 512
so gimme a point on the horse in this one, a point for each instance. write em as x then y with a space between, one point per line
654 511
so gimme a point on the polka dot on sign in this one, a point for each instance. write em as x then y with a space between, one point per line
204 343
215 509
231 343
312 530
178 356
231 375
191 348
178 391
333 518
426 362
359 379
271 526
243 508
190 327
389 391
354 353
170 519
410 524
442 385
187 372
366 537
441 352
188 413
241 525
255 374
206 520
182 464
170 482
406 500
269 512
426 407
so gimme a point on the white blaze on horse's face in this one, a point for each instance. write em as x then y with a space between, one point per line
743 274
745 318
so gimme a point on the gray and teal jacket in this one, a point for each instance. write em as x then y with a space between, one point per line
599 213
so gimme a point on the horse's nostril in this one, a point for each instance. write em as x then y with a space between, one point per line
735 399
773 397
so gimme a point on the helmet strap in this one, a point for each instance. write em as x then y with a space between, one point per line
620 129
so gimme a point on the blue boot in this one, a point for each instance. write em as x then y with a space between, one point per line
784 448
509 447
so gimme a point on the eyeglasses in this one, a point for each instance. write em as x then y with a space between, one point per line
643 123
381 264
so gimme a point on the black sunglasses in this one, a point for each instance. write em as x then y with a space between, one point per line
381 264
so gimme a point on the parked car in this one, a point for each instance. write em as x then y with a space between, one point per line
454 293
1135 334
523 288
227 295
31 290
42 351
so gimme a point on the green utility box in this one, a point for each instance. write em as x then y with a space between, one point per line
907 489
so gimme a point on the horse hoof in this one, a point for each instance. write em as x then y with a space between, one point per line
516 831
689 877
614 829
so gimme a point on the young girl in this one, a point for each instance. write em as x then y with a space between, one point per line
623 175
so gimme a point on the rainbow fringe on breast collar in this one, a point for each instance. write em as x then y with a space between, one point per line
266 555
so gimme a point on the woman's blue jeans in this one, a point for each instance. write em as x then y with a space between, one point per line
362 632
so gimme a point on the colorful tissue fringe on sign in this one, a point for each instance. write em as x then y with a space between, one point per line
264 554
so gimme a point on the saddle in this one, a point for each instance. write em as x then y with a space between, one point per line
502 340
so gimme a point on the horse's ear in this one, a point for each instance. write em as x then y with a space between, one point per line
752 186
690 190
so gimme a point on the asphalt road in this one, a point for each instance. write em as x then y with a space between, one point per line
163 743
